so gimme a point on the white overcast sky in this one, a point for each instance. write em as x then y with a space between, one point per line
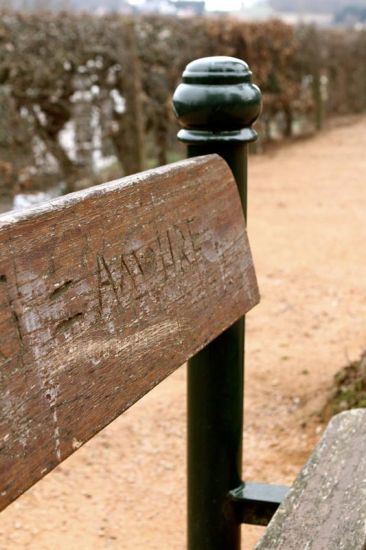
228 5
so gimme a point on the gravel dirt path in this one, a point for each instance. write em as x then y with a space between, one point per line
307 224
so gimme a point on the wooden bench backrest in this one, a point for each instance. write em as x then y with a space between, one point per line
103 293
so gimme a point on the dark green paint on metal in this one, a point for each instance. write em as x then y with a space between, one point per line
215 417
256 503
216 104
217 101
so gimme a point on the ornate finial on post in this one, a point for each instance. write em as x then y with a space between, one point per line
217 101
216 105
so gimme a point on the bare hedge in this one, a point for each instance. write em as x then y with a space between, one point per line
109 81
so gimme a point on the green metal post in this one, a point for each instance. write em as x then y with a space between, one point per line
216 105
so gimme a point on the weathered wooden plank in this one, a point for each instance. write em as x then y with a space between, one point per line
103 294
326 507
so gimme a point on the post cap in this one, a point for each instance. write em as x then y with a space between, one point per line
217 101
216 70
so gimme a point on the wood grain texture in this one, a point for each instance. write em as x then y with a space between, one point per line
326 507
104 293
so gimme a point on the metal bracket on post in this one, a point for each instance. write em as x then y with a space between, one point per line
216 104
256 503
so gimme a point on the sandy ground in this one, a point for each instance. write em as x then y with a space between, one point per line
126 488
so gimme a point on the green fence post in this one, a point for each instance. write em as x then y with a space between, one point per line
216 105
